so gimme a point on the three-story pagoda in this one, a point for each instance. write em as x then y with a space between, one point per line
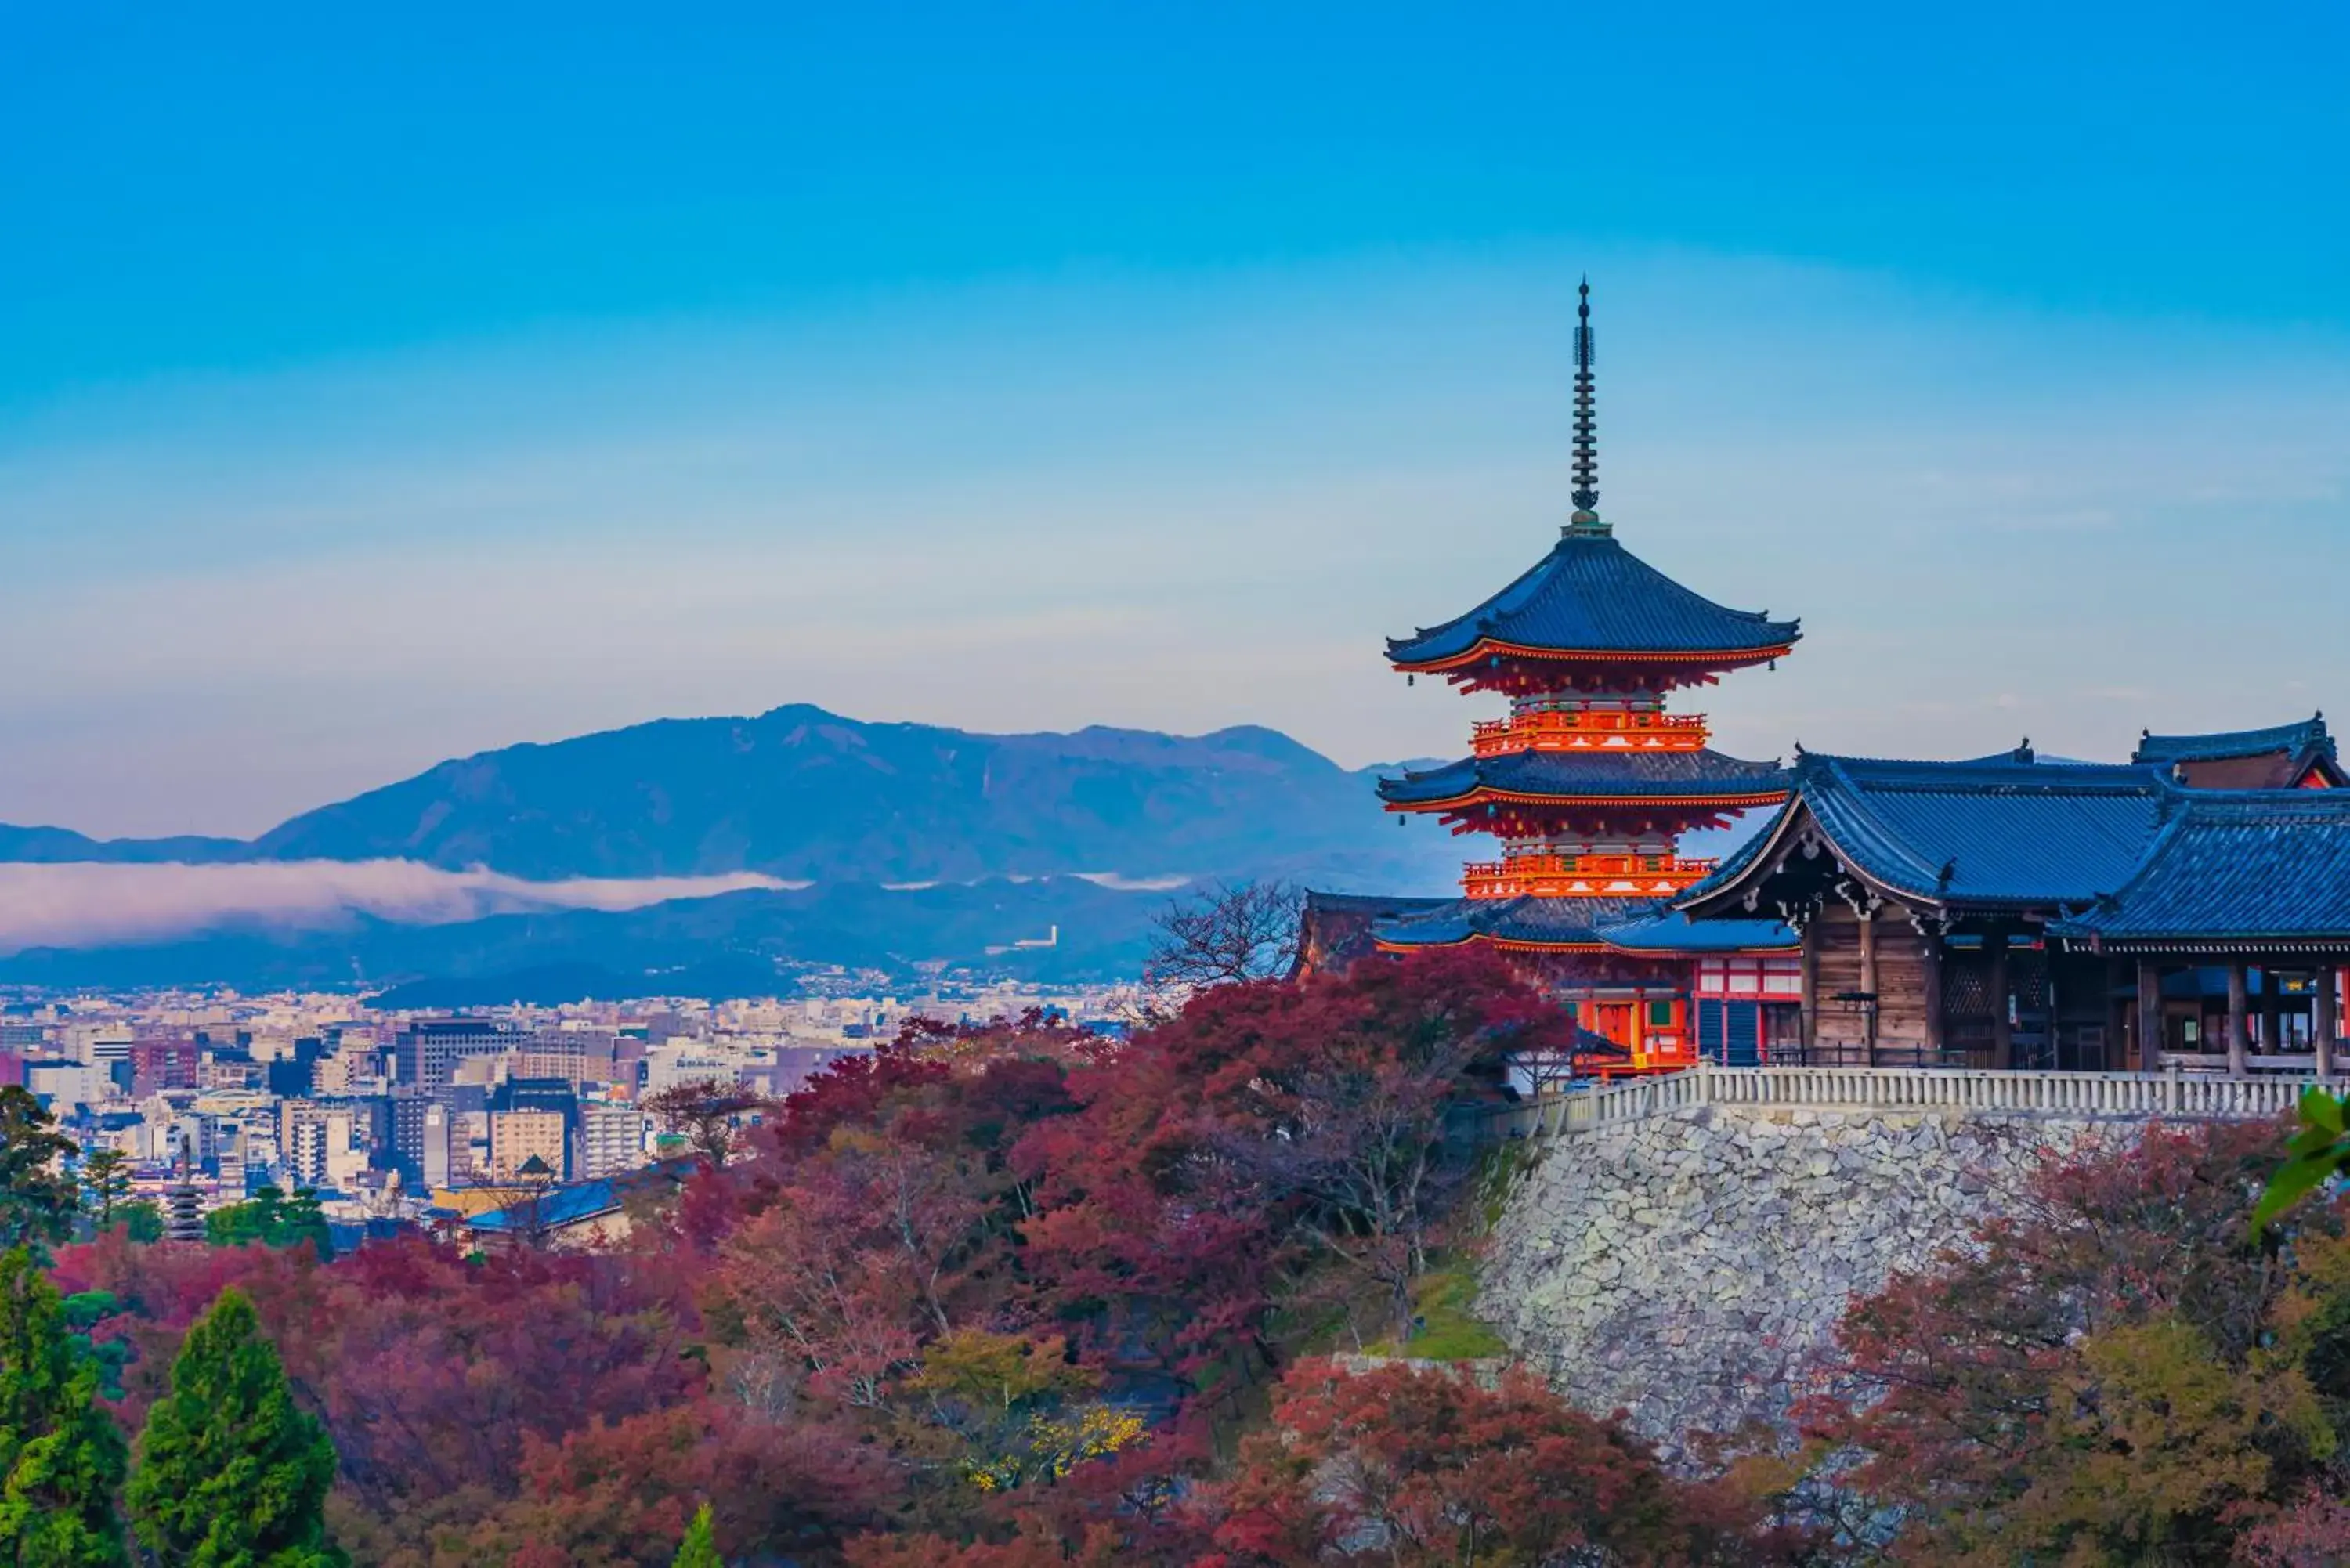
1590 782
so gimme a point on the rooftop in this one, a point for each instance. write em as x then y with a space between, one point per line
1700 775
1591 596
1638 926
2253 865
2293 739
2006 830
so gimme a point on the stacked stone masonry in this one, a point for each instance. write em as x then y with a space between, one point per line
1690 1268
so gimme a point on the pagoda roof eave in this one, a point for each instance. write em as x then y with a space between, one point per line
1755 802
1489 648
1590 598
1504 944
1703 779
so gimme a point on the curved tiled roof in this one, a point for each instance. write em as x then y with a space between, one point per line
2290 739
1579 776
1551 922
1670 931
1590 595
2251 865
1640 926
2003 830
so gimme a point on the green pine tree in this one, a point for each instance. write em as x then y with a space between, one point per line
699 1549
61 1458
105 1184
231 1472
37 1200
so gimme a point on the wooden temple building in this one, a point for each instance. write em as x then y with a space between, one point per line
2018 912
1588 785
2187 908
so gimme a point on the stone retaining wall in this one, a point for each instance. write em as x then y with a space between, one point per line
1690 1268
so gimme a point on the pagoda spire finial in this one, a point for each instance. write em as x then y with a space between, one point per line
1586 439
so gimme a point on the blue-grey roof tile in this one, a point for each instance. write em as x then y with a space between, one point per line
2292 739
1667 930
2264 864
1570 776
1644 926
2000 830
1592 595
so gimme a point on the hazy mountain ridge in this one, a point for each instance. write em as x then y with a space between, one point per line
998 832
801 793
730 942
62 846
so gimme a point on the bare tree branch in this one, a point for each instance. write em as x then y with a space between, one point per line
1227 933
708 1112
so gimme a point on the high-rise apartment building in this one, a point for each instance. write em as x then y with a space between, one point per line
611 1139
425 1053
163 1063
516 1137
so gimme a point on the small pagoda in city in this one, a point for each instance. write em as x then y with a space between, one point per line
1590 783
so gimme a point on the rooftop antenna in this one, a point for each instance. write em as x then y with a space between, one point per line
1586 439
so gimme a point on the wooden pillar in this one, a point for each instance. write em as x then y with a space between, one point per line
2118 1007
2002 1033
2272 1011
2237 1050
2149 1016
1868 979
1929 953
1811 1021
2328 1020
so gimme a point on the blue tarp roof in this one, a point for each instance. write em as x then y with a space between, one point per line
1592 595
560 1206
1571 775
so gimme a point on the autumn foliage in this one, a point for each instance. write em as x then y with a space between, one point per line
1426 1465
1013 1290
2115 1373
1022 1297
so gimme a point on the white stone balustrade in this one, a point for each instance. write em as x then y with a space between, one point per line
1957 1091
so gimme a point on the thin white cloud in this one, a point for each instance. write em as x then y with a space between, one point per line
94 905
1121 884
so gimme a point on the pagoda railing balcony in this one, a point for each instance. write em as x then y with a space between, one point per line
1584 876
1589 731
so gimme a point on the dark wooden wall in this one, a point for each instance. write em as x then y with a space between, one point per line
1897 956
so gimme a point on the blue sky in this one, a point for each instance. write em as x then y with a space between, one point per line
380 387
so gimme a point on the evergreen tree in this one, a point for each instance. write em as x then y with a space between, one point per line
272 1218
701 1549
61 1459
37 1198
106 1184
232 1473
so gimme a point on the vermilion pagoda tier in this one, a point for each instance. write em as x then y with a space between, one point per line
1589 783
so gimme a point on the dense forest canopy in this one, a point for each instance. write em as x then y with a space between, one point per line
1020 1295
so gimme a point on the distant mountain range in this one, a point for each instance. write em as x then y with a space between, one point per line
60 847
922 843
804 794
733 944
